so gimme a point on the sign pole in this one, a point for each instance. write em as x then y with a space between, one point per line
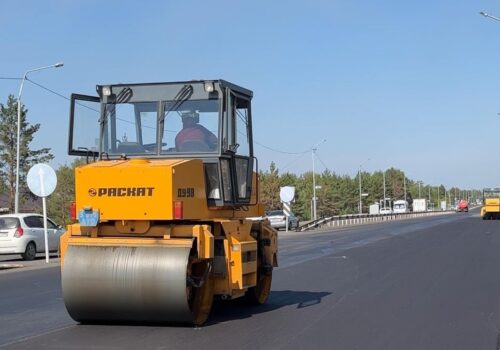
44 204
287 194
44 200
42 181
286 223
287 210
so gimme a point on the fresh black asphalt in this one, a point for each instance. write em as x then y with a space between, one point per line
429 283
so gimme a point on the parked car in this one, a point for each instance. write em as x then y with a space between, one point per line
385 211
278 220
23 234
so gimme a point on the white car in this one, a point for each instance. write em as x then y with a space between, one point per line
385 211
23 234
277 218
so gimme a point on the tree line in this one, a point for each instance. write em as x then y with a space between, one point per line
339 194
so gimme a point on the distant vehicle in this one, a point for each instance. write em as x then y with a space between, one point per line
23 234
374 209
400 206
278 220
462 206
385 211
443 205
491 204
419 205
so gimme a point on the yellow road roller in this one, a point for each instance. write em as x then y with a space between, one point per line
491 204
167 208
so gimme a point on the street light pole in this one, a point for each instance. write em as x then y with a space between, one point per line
314 186
404 186
383 175
439 204
16 199
313 150
429 195
360 195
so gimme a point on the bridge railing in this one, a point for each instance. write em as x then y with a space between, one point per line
358 219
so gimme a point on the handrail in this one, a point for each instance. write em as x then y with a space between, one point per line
357 218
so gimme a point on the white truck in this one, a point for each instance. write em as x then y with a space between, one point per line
374 209
400 206
419 205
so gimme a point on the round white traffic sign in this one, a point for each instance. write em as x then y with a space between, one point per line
42 180
287 194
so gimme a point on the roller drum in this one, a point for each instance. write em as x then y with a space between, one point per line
126 284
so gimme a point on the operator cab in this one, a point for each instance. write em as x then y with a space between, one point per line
208 120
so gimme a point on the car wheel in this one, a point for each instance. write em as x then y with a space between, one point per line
30 252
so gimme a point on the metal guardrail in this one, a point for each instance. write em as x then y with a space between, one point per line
358 219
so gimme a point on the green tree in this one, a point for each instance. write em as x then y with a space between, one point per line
327 204
269 188
8 149
58 204
304 196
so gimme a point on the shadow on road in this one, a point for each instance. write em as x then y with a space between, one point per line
238 309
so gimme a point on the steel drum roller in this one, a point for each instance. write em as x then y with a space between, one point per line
111 283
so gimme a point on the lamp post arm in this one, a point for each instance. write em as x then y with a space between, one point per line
482 13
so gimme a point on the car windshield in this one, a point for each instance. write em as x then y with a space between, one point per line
8 223
275 213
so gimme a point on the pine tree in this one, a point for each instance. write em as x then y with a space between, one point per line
8 149
270 188
59 202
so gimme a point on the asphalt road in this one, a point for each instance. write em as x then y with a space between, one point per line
429 283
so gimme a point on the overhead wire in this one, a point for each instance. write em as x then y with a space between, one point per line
243 118
47 89
68 99
321 161
293 161
278 151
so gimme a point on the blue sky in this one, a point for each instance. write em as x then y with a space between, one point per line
412 85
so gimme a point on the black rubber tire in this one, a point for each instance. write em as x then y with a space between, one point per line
258 295
30 252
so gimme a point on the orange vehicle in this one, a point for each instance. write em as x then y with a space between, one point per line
491 204
164 224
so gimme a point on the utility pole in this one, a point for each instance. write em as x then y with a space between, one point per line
404 186
313 150
18 140
360 191
314 186
439 204
429 195
360 199
383 174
